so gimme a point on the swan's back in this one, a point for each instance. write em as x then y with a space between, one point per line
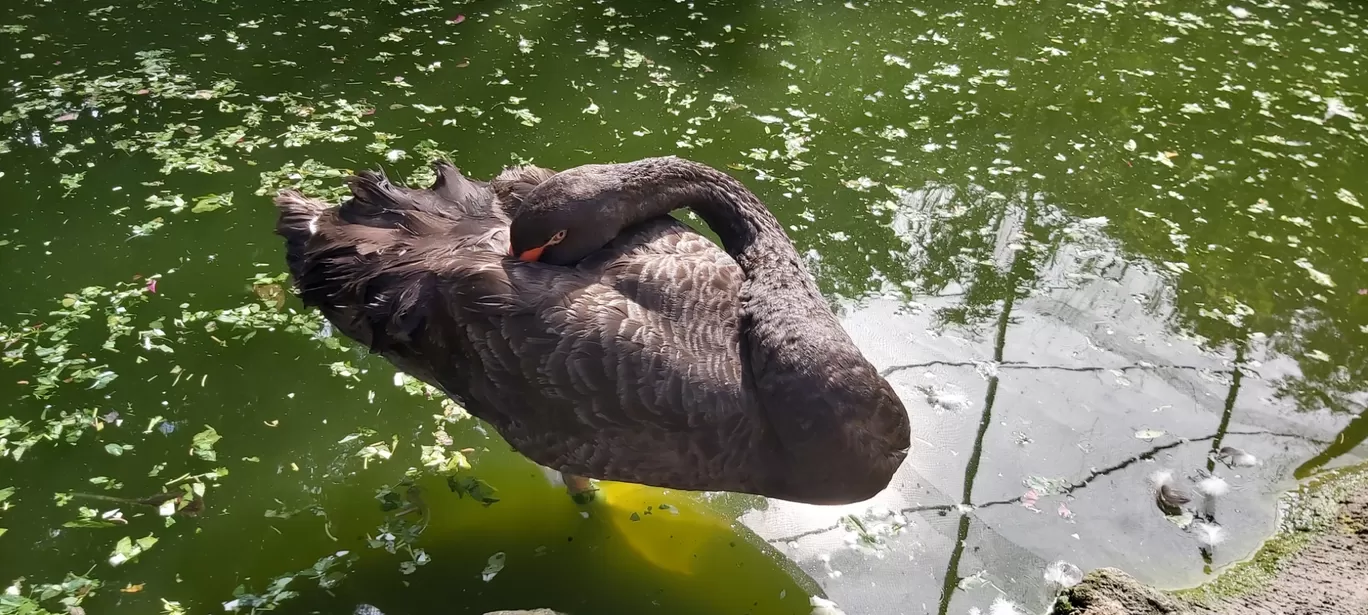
624 367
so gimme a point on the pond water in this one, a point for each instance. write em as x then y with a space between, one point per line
1086 241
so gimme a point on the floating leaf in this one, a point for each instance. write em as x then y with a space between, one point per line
152 423
1182 519
212 202
127 549
1317 276
103 379
494 567
203 444
474 487
1045 486
377 450
273 294
1318 355
147 228
91 523
1348 197
525 117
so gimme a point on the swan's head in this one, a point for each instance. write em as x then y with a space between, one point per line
571 215
577 211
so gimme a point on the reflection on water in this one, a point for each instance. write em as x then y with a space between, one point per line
1086 242
634 547
1041 407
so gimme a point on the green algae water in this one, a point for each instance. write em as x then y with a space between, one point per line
1088 242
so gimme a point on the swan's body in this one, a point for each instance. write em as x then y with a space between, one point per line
657 358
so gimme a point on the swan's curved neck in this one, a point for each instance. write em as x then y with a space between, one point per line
749 232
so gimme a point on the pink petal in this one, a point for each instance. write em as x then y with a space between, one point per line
1029 498
152 286
1064 511
67 117
1363 291
457 19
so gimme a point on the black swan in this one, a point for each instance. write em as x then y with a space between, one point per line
619 344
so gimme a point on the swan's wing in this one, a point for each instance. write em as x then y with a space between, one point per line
628 369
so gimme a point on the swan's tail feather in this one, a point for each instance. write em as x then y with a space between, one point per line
298 222
380 264
373 265
454 187
514 184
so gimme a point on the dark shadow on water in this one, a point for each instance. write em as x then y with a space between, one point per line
1353 435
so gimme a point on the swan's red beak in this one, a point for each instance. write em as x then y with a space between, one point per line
531 255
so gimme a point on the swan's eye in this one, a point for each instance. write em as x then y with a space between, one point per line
557 238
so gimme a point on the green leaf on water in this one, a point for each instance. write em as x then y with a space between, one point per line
117 450
494 566
525 117
1045 486
109 484
203 444
474 487
89 524
5 494
90 519
127 549
380 451
71 182
1348 198
145 229
206 204
174 202
103 379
